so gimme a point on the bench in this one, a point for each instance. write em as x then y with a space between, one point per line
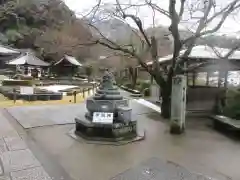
225 123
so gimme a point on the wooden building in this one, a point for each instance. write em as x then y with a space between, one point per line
29 64
208 75
67 66
7 54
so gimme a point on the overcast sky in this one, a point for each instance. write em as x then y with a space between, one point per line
231 26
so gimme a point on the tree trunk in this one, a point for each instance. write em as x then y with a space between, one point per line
133 76
166 102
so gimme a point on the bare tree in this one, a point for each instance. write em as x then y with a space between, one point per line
208 18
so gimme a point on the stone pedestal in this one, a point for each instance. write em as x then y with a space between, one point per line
106 132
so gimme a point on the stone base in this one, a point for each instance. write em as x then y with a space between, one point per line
115 134
176 129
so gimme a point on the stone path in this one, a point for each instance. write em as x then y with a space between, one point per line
16 160
38 116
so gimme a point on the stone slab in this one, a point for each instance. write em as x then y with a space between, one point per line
3 146
15 143
4 178
5 128
45 115
157 169
140 136
30 174
18 160
1 170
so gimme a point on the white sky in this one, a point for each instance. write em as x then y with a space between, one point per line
230 27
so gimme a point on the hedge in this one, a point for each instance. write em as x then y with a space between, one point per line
232 108
17 83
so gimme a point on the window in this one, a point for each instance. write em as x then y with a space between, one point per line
213 79
201 79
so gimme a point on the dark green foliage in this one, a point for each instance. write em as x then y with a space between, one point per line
232 108
147 92
23 21
17 83
89 71
41 25
143 84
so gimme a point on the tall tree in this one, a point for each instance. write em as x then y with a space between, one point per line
207 16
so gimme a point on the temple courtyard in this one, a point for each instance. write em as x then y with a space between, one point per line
36 143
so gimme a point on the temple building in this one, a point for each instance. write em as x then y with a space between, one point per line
67 66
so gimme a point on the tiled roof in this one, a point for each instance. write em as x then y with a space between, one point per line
203 52
8 50
28 59
70 59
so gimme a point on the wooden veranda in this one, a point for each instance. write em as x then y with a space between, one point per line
207 77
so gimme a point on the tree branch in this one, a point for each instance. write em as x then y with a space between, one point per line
230 8
191 40
181 9
157 8
175 19
137 21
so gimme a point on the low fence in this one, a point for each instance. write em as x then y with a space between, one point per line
11 96
49 82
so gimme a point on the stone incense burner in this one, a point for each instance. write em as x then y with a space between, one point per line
108 115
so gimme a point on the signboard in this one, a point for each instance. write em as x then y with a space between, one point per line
102 117
26 90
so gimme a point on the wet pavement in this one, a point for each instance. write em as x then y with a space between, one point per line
157 169
201 149
38 116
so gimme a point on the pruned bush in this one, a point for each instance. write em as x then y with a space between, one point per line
17 83
128 85
22 77
146 92
232 107
142 85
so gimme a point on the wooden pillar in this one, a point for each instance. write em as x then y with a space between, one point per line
193 78
149 68
225 79
208 76
222 75
126 72
219 78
